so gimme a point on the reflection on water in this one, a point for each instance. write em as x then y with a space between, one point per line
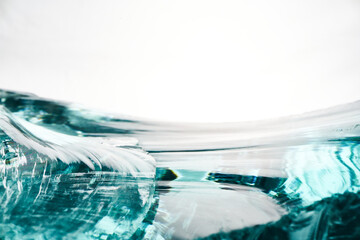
71 173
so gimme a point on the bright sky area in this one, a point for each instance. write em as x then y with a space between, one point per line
198 60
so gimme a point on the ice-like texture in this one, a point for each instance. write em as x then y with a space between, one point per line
61 186
69 172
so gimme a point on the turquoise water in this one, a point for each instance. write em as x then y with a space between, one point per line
71 173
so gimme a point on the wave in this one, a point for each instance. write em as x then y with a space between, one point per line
212 180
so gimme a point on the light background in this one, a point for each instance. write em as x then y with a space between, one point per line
198 60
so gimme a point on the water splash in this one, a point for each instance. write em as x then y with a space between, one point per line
84 173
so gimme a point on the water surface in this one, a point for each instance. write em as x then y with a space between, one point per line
72 173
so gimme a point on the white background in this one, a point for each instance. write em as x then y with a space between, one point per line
198 60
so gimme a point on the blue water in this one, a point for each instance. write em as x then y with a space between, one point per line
68 172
